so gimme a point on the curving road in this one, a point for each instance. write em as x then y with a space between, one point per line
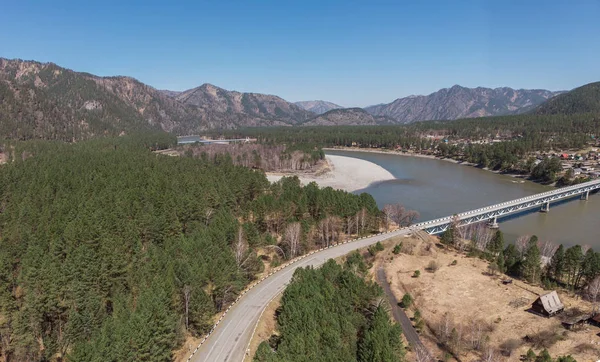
230 339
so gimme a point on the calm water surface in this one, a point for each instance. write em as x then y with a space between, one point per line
439 188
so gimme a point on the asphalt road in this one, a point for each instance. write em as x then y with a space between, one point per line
230 339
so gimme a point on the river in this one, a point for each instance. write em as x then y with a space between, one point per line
439 188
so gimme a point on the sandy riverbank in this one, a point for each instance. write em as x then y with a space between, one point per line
346 173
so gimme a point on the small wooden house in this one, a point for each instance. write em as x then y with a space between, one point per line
548 305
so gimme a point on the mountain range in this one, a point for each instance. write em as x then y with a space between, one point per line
44 100
460 102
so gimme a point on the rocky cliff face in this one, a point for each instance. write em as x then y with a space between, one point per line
318 107
460 102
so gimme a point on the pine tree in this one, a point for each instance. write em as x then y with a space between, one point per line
532 263
497 243
557 264
381 342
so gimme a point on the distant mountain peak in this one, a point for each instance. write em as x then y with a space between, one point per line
318 107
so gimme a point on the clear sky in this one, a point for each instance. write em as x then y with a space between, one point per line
354 53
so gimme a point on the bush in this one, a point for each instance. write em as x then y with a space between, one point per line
416 274
454 262
397 249
433 266
275 262
509 346
374 249
417 316
407 301
530 356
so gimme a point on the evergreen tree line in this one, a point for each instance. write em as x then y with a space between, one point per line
109 252
523 134
332 314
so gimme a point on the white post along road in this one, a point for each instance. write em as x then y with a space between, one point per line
230 338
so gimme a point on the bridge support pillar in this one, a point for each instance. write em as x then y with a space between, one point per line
546 207
585 195
493 224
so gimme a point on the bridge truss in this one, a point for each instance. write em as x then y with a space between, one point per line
491 213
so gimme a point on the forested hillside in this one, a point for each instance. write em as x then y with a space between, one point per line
585 99
332 314
109 252
46 101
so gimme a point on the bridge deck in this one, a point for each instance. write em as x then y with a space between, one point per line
509 207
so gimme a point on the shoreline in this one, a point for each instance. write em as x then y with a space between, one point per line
522 178
345 173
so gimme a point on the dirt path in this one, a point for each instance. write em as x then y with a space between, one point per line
400 316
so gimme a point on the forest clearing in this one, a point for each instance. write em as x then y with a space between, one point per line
471 310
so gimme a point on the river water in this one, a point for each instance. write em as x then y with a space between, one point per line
439 188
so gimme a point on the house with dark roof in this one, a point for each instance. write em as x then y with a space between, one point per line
548 304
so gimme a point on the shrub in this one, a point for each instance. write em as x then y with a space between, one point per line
397 249
417 316
416 274
407 300
509 346
374 249
454 262
530 356
433 266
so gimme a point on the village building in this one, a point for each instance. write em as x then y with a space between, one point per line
548 305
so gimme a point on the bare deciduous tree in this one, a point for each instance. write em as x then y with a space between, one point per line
521 244
445 328
547 248
421 354
241 249
207 214
489 355
329 229
479 234
399 215
476 333
187 293
593 291
292 238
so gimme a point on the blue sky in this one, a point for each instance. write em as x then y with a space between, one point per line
354 53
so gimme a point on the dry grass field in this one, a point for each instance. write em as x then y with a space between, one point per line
481 309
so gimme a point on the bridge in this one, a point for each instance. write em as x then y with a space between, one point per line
196 139
493 212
